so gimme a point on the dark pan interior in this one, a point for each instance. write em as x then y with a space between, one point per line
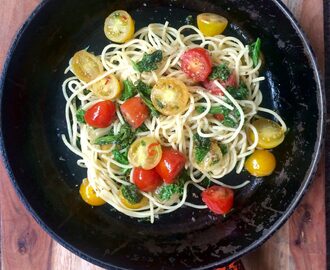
45 174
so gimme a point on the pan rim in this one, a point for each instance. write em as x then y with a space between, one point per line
309 176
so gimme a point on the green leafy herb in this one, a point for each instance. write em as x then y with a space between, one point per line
142 128
86 92
160 104
129 90
120 157
189 20
214 110
149 62
255 51
223 148
131 194
165 192
229 122
201 146
205 183
238 93
80 114
220 72
145 91
124 138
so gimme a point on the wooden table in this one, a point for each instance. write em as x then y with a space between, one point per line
300 244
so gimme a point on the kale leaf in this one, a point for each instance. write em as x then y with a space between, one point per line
131 194
166 192
202 147
120 157
220 72
238 93
128 91
80 114
255 51
149 62
145 91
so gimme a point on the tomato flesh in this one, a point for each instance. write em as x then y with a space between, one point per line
146 180
197 64
215 90
218 199
135 111
170 165
101 115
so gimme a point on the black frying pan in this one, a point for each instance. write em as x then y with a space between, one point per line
32 118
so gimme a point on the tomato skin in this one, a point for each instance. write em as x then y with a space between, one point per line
215 90
101 114
219 116
146 180
134 111
211 24
197 64
261 163
219 200
88 194
170 165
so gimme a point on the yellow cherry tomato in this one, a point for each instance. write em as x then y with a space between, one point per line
170 96
212 160
119 26
108 88
86 66
211 24
270 133
145 152
144 202
88 194
261 163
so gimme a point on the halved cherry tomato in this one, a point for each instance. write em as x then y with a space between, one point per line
101 114
169 96
270 133
215 90
170 165
144 201
88 194
107 88
86 66
145 152
211 24
119 26
146 180
261 163
135 111
219 116
220 200
197 64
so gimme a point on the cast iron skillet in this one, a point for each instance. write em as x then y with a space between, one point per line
46 177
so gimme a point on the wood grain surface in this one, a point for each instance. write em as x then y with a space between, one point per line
299 244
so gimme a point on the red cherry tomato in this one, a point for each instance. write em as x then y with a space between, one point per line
146 180
220 200
215 90
101 114
219 116
171 164
197 64
135 111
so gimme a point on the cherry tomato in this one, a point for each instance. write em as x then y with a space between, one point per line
220 200
211 24
170 165
146 180
197 64
260 163
270 133
170 96
219 116
107 88
88 194
135 111
215 90
145 152
130 205
101 114
119 26
86 66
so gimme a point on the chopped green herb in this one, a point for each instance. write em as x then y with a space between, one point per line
129 90
160 104
255 51
120 157
201 146
142 128
239 93
80 114
131 194
214 110
149 62
86 92
124 138
165 192
143 143
223 148
145 91
229 122
189 20
220 72
205 183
